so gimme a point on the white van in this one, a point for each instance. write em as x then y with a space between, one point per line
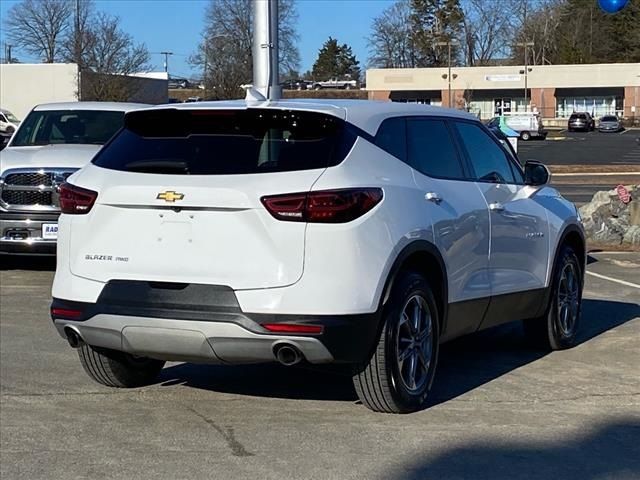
528 125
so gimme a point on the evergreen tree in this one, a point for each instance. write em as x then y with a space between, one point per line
336 60
434 21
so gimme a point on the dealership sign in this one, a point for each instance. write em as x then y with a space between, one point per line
502 78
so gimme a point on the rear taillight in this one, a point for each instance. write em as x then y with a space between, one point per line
76 200
325 206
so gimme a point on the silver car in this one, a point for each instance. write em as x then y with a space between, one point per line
610 123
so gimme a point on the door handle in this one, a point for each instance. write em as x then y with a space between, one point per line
433 197
496 207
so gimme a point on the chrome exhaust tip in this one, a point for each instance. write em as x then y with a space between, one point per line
287 354
73 337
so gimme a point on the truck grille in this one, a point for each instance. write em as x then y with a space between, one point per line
33 179
32 190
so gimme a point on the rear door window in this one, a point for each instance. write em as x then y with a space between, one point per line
227 142
431 149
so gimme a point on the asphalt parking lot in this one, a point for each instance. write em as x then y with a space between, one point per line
584 148
586 162
499 409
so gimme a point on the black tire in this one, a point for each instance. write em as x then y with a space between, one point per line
379 382
118 369
10 129
525 136
548 332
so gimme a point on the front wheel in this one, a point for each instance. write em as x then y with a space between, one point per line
557 329
398 376
118 369
525 136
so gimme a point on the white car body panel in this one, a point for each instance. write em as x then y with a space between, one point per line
47 156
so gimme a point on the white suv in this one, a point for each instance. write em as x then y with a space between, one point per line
357 232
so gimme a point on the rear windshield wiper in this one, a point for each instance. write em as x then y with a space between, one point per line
158 166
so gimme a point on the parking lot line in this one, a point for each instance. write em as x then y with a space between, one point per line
623 131
621 282
594 174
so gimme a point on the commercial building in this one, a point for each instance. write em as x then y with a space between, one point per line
23 86
555 91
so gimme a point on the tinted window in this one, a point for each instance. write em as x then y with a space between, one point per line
431 149
609 119
224 142
489 161
68 126
392 137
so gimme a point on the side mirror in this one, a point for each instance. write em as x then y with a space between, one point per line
536 173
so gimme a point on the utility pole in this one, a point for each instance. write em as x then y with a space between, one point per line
7 55
526 70
166 60
77 47
448 44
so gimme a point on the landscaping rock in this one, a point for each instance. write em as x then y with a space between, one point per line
608 221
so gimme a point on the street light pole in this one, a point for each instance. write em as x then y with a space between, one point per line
526 70
448 43
166 60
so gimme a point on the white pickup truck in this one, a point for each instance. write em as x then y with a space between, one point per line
53 142
335 82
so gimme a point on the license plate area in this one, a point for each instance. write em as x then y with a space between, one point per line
50 231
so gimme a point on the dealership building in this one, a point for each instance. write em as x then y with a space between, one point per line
554 91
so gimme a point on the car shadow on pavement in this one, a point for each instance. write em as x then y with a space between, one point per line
465 364
609 450
28 262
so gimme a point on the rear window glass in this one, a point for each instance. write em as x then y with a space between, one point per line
226 142
575 116
47 127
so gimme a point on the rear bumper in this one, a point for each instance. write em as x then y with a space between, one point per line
204 323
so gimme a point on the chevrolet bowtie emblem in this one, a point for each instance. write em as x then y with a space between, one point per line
170 196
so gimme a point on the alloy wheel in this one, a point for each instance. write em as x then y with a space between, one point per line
414 346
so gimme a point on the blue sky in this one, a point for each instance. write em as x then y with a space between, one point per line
175 25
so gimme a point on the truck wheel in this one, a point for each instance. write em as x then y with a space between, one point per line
525 136
317 87
557 328
348 86
118 369
398 376
10 129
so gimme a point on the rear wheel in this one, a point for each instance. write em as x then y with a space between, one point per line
525 136
399 374
118 369
557 329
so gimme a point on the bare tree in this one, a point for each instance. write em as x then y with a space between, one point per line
37 27
225 50
390 42
110 55
487 34
79 36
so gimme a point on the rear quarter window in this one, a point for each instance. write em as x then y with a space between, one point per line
227 142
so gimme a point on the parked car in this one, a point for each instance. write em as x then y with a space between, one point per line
528 125
610 123
581 121
193 99
52 142
297 84
351 232
177 83
336 82
8 122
